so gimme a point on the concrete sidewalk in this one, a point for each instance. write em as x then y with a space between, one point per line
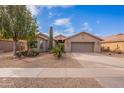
61 72
107 77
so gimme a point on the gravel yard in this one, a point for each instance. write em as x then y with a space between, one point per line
45 60
49 83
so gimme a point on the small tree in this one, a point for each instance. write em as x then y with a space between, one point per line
16 23
58 50
50 38
31 36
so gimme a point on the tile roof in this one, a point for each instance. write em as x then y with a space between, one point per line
44 36
112 38
60 37
85 33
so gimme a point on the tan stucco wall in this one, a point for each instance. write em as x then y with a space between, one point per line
45 44
113 46
7 45
82 38
54 43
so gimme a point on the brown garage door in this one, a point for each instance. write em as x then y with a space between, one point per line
82 46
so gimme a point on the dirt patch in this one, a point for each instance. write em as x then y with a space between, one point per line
45 60
49 83
118 56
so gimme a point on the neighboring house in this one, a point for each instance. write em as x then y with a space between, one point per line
113 43
43 43
83 42
60 38
7 45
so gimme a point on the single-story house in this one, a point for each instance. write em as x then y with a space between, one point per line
43 41
83 42
113 43
60 38
7 45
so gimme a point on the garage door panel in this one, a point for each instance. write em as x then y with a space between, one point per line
82 46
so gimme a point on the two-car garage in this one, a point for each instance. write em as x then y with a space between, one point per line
82 47
83 42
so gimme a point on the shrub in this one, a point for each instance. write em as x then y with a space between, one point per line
58 50
32 53
118 51
18 54
61 45
27 54
24 53
105 49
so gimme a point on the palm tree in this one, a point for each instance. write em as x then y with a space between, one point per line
17 23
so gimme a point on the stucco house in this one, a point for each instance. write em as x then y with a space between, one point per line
113 43
83 42
43 43
60 38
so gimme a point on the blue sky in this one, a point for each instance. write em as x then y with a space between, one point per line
68 20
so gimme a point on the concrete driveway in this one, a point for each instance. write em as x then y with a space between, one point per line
108 71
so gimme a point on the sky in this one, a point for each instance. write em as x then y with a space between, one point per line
99 20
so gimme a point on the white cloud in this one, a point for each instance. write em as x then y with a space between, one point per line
56 32
54 6
70 30
66 32
49 6
39 26
66 22
50 14
85 24
62 22
98 22
86 27
67 6
33 9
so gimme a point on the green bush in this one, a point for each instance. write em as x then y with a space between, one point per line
61 45
27 53
24 53
58 50
19 54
